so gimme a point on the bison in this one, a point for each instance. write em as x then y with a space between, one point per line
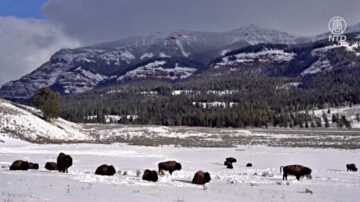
150 175
249 165
64 162
201 177
19 165
231 159
296 170
351 167
228 165
51 166
170 166
34 166
105 170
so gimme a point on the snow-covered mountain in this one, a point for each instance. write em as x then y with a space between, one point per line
177 56
82 69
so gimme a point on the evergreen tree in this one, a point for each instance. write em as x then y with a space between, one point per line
48 102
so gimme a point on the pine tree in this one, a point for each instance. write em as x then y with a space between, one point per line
48 102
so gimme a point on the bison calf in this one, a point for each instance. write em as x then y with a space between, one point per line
51 166
19 165
105 170
296 170
64 162
201 177
34 166
170 166
150 175
351 167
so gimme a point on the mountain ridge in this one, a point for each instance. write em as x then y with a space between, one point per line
85 68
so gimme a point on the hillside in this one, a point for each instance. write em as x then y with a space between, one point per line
23 122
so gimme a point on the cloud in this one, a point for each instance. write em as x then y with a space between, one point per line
25 44
94 21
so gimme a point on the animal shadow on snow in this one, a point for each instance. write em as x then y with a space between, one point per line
183 181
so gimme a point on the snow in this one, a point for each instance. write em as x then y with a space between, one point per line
322 64
215 104
156 70
289 85
222 92
267 55
24 123
146 55
112 118
349 112
223 52
80 80
343 44
184 92
121 54
180 45
163 55
262 182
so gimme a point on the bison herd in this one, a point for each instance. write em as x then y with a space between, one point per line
65 161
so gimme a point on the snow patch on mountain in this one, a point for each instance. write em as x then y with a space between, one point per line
263 56
322 64
146 55
180 45
156 70
163 55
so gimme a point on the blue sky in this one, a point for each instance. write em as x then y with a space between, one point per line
22 8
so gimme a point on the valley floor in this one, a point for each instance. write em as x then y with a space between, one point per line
262 182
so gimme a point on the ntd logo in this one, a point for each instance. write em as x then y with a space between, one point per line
337 27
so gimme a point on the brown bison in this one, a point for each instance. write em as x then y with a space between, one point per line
64 162
105 170
19 165
296 170
228 165
231 159
201 177
170 166
351 167
51 166
150 175
34 166
249 165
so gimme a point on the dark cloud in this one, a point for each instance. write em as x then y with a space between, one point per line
97 21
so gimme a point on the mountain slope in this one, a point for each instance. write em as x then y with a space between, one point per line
25 123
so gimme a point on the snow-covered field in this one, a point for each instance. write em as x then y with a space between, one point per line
325 151
262 182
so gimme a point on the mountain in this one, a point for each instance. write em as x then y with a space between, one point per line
178 56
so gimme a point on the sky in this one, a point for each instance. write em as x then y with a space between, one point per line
32 30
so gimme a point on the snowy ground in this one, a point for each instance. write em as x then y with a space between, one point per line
263 182
26 123
224 137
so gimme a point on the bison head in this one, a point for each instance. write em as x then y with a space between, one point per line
67 161
307 172
178 166
207 177
111 170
